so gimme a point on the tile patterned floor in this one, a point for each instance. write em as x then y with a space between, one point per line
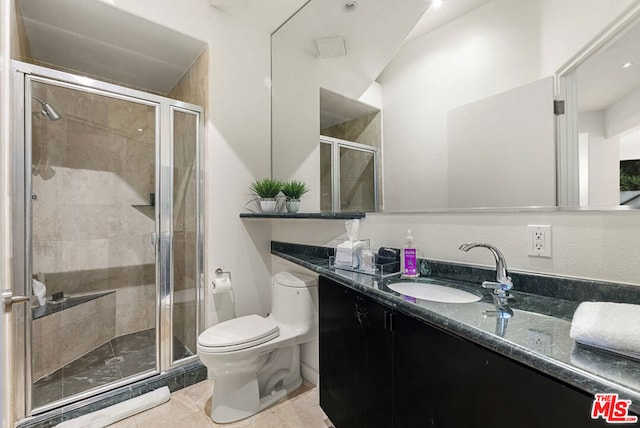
121 357
190 408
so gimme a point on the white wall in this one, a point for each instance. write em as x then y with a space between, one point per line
593 245
604 161
568 25
238 149
498 46
297 79
296 119
630 145
489 50
623 115
237 146
501 150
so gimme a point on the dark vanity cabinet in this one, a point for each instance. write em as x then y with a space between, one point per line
355 358
383 368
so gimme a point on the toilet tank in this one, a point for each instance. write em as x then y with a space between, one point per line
294 301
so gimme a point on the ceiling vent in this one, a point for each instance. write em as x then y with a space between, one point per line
331 47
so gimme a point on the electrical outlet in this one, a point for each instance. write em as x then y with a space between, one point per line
539 240
540 341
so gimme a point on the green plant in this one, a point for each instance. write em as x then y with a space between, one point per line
629 182
266 188
294 189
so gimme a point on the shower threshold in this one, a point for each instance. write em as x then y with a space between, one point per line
121 357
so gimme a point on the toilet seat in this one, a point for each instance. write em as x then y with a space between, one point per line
238 333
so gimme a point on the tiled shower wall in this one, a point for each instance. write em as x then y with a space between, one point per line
59 341
89 169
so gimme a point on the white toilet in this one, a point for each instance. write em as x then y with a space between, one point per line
255 361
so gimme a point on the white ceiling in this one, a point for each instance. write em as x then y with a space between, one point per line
449 11
373 31
266 15
602 81
92 37
95 38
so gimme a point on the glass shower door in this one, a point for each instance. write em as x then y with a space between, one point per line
93 262
107 237
186 253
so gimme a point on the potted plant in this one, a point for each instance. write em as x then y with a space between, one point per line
267 189
293 190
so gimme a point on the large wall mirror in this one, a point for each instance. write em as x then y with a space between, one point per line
456 103
600 132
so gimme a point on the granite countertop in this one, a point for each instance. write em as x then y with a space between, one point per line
535 316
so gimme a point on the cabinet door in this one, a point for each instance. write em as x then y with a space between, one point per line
441 380
355 358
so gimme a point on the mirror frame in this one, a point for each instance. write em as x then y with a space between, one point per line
566 125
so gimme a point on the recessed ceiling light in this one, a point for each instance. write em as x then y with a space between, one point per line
437 4
626 65
350 5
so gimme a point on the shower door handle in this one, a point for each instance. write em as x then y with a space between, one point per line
154 239
9 299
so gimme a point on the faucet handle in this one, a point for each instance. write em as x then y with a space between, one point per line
497 286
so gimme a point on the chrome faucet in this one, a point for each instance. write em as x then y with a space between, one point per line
503 282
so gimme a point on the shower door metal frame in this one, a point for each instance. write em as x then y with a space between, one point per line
23 74
335 144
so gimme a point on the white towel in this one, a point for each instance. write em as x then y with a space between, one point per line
40 291
614 327
110 415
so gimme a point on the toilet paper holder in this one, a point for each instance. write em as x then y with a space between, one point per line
220 272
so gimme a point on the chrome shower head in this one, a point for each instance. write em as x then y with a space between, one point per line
48 111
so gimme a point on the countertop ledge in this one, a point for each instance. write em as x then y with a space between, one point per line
317 216
589 370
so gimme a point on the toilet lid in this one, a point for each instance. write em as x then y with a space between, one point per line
239 333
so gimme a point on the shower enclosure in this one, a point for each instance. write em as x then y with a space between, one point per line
108 242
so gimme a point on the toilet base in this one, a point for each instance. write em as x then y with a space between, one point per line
239 394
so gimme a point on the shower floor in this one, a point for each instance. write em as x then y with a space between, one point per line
119 358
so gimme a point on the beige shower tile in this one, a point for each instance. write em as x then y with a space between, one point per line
46 218
89 147
84 255
78 331
46 345
46 222
128 221
83 222
141 181
135 309
106 318
47 190
46 257
131 251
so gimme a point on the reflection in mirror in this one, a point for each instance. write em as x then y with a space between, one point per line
604 102
441 80
349 154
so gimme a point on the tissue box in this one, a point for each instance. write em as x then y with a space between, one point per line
347 253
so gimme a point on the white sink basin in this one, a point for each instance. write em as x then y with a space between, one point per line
433 292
